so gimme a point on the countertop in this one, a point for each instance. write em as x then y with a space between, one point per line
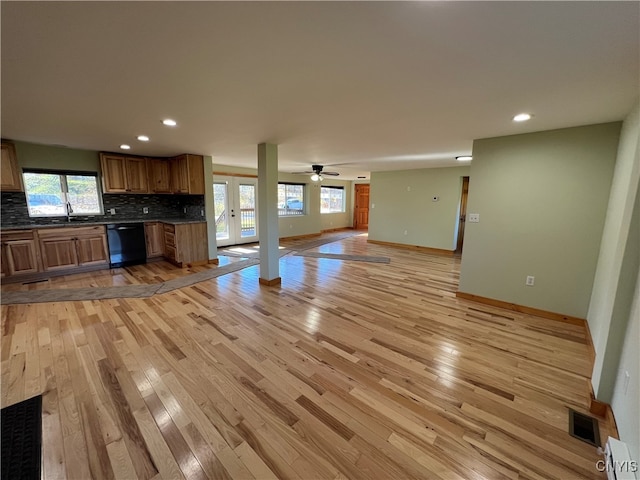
170 221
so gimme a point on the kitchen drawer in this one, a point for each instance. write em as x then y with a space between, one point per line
12 235
169 239
170 252
71 231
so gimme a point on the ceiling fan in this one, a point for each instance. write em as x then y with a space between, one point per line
317 173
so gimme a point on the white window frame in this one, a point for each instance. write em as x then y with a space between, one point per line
63 174
304 200
344 199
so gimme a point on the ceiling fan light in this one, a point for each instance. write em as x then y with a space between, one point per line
315 177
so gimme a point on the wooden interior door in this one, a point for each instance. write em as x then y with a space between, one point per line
463 213
361 208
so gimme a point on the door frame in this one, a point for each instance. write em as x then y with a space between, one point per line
233 183
355 203
462 217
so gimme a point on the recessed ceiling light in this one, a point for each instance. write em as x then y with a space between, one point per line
522 117
464 158
124 146
169 123
143 138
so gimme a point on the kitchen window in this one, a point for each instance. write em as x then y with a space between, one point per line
332 200
55 194
290 199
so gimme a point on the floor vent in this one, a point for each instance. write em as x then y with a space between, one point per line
584 428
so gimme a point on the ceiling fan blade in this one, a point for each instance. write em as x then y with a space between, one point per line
331 174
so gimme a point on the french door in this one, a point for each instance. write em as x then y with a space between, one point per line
235 205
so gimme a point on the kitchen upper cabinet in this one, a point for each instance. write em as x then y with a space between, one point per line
69 247
10 175
159 175
179 174
19 252
187 174
123 174
154 237
136 170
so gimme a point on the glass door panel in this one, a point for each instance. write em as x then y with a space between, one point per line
235 204
221 209
248 224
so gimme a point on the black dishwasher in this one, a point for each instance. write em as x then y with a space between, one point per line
126 244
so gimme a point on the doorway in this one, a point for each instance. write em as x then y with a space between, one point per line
235 209
361 207
463 213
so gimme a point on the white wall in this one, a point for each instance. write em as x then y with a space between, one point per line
403 201
542 199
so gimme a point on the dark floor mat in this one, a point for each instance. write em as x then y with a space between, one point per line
22 439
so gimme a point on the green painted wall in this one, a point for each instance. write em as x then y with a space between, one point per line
403 201
542 199
614 312
31 155
313 222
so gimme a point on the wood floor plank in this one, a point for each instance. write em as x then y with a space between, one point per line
346 370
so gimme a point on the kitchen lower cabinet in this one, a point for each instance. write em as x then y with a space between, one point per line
58 253
92 249
19 252
69 247
186 244
154 237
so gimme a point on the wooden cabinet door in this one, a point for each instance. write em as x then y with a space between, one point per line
4 269
179 174
114 177
10 175
154 236
159 175
136 175
21 257
92 250
58 253
196 174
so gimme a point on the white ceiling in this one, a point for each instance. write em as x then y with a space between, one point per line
360 86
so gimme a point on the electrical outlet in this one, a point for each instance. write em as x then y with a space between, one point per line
145 210
530 281
408 189
626 381
405 232
184 210
202 212
290 226
435 198
112 211
474 218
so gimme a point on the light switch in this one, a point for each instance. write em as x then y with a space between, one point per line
474 218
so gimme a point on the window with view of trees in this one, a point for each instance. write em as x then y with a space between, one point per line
331 199
59 194
290 199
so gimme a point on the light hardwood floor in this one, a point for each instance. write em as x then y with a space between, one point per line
348 370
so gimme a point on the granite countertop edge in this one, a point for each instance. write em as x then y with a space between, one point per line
170 221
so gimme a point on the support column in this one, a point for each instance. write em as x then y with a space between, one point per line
209 211
268 214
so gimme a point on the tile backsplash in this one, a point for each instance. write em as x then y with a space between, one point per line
13 209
